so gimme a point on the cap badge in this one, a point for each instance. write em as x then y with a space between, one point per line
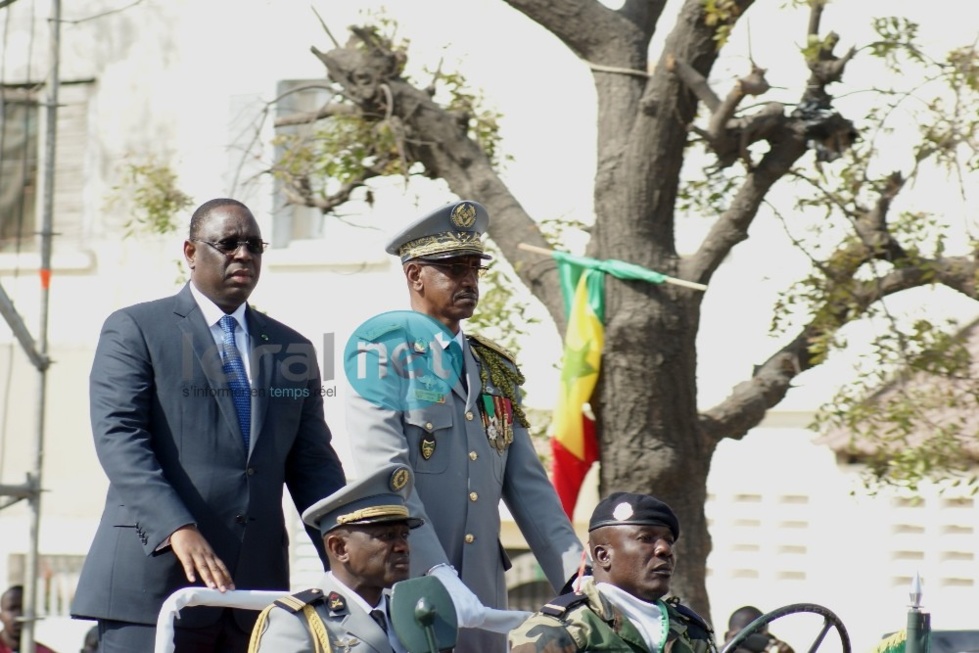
464 215
622 511
399 478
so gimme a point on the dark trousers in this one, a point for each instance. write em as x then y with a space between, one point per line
223 636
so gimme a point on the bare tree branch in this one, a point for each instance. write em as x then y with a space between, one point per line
299 193
871 226
585 26
731 227
727 136
309 117
693 80
745 407
426 133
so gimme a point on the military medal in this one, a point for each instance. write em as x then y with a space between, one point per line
497 414
427 446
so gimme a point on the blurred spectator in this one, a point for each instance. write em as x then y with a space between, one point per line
11 609
91 643
758 642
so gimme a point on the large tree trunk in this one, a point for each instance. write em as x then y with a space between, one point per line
648 431
647 402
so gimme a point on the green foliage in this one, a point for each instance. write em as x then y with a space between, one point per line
915 428
483 124
150 189
321 165
707 195
558 231
721 14
846 220
898 42
503 313
338 152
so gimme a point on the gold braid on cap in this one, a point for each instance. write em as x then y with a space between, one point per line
372 512
447 241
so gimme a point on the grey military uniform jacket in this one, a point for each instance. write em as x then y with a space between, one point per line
284 628
461 474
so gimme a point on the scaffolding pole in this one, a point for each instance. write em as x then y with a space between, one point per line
47 219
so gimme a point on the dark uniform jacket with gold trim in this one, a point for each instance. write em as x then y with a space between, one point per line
288 626
588 622
461 474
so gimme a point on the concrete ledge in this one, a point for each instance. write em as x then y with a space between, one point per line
65 262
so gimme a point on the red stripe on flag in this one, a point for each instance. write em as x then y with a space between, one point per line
569 471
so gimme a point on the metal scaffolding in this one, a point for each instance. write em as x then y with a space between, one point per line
37 350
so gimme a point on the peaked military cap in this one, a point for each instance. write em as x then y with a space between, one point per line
455 229
380 497
633 509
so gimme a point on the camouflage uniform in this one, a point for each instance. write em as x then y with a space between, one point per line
588 622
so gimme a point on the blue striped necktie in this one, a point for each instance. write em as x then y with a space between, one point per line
234 370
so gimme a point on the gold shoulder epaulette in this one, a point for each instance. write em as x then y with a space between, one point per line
296 602
489 344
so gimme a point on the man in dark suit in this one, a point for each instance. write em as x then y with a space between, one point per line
202 408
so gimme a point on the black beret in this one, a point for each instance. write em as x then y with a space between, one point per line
633 509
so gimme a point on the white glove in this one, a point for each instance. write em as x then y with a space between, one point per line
503 621
470 611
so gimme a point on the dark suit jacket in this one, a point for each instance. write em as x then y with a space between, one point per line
167 436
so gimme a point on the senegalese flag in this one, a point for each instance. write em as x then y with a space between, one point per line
573 442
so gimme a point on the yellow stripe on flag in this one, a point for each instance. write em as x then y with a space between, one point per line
582 360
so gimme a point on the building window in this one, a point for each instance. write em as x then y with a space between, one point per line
22 132
292 221
18 167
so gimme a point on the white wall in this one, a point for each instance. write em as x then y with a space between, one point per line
791 526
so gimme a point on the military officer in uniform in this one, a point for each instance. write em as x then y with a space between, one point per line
468 445
365 529
620 608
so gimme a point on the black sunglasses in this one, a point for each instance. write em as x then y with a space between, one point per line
229 246
458 270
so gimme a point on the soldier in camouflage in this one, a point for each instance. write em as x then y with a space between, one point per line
620 607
